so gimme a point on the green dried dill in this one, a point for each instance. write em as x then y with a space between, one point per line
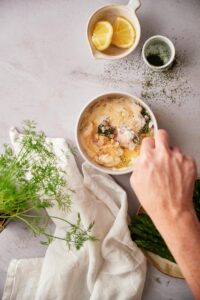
158 53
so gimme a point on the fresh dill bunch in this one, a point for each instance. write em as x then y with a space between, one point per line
30 181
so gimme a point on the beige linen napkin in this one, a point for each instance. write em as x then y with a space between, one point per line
112 268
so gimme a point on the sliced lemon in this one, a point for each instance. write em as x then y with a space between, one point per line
123 33
102 35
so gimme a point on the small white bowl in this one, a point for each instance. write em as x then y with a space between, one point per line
85 108
151 42
110 13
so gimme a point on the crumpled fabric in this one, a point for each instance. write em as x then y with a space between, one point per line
111 268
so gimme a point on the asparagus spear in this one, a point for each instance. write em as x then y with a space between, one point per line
137 231
162 251
146 223
146 236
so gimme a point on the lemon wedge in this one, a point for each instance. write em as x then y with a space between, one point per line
123 33
102 35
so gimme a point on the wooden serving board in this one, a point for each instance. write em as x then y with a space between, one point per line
164 265
3 223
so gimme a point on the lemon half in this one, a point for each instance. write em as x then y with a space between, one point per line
102 35
123 33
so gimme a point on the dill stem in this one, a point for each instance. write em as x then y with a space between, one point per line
54 217
15 161
27 223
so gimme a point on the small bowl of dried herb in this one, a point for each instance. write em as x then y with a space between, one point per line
158 53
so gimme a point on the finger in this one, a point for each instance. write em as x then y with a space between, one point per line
162 140
190 169
176 149
177 155
135 165
148 143
192 163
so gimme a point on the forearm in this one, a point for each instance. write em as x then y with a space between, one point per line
182 235
166 193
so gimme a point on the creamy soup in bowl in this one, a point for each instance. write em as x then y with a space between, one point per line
110 130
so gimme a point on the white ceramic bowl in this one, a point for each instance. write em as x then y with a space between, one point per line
97 99
168 42
109 13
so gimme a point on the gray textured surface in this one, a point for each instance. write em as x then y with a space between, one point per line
47 74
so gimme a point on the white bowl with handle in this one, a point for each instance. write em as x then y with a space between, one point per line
110 13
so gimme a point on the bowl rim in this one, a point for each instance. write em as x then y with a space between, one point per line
95 99
168 42
123 54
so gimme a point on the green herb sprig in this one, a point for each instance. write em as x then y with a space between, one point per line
30 181
145 128
106 129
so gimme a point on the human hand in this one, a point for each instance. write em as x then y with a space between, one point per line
163 179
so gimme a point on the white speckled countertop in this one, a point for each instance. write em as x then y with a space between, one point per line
47 74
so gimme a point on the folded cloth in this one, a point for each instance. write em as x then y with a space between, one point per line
111 268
